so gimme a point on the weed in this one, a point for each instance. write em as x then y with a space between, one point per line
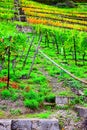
40 100
66 93
15 112
77 100
33 104
5 94
41 115
30 95
14 97
2 114
2 85
50 98
63 107
74 84
44 115
39 79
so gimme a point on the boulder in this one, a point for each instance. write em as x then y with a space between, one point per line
82 111
35 124
61 100
5 124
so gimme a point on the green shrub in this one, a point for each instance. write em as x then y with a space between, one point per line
44 90
30 95
33 104
50 98
5 94
40 100
22 86
2 85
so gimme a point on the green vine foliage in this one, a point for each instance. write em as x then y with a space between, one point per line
9 36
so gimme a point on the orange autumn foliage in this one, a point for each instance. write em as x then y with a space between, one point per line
55 23
13 84
4 79
27 89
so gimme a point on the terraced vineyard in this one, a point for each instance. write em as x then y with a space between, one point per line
43 55
6 9
66 18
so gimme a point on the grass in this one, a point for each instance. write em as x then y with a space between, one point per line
2 114
67 93
43 115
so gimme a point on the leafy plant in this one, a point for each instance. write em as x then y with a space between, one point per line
5 94
50 98
2 85
30 95
74 84
15 112
41 97
77 100
33 104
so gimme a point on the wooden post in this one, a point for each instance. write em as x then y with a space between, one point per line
8 67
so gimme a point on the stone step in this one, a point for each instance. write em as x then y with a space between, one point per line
29 124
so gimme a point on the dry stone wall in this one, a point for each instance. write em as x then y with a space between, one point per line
29 124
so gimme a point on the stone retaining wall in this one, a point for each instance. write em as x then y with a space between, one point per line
29 124
82 111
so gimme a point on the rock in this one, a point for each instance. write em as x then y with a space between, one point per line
21 125
82 111
61 100
45 125
5 124
24 28
35 124
85 123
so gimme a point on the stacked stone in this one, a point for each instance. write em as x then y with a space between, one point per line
29 124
